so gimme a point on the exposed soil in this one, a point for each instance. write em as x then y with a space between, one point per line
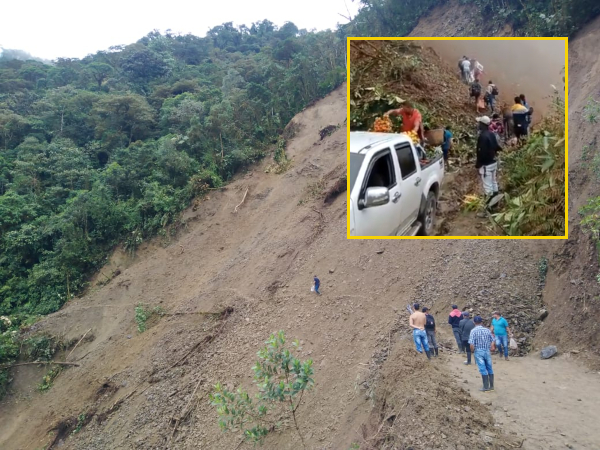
371 388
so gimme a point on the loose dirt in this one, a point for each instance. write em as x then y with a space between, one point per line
549 404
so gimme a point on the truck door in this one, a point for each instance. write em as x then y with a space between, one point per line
411 185
383 220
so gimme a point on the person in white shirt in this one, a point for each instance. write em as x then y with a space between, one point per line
466 69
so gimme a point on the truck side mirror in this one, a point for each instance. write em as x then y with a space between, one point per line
376 196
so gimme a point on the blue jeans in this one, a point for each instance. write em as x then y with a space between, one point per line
317 289
483 358
492 102
420 338
502 341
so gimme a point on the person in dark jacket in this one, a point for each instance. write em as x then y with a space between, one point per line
520 119
454 319
487 148
430 330
465 326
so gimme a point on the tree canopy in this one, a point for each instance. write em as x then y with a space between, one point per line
112 147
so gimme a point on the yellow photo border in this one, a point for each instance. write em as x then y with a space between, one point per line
566 39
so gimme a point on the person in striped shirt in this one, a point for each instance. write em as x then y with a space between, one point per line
481 342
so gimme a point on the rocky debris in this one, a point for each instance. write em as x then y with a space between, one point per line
543 314
549 352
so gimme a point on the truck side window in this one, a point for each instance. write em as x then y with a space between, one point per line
382 174
406 159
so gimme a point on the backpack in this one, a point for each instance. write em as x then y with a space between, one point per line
475 89
494 90
430 323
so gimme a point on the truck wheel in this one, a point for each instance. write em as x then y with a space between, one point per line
428 217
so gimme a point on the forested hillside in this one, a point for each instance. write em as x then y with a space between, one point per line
113 146
527 18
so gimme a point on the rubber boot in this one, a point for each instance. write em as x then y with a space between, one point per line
428 353
436 352
486 383
491 380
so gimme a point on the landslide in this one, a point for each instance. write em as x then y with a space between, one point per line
572 289
251 271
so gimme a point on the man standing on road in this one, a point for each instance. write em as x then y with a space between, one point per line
481 342
417 322
465 326
430 330
501 331
454 319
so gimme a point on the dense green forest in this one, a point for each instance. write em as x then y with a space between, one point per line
111 147
528 18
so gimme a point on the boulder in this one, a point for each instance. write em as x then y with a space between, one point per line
543 314
549 352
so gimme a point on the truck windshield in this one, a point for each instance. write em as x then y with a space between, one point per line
356 160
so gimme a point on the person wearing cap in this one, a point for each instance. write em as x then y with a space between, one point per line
500 331
482 342
465 326
487 148
454 319
430 331
417 323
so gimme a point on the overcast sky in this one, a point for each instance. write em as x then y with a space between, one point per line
70 28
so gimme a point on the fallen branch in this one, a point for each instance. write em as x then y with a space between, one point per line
235 210
78 343
186 411
39 362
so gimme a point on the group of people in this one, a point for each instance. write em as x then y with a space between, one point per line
491 133
485 99
471 338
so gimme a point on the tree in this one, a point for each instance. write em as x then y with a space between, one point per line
281 380
99 72
121 119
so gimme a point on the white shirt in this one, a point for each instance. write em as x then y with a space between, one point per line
466 65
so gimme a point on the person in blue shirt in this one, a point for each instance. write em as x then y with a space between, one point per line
447 144
317 284
501 331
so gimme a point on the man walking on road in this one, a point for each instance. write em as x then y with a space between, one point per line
454 319
417 322
465 326
501 331
430 330
481 342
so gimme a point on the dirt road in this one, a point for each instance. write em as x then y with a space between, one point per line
551 404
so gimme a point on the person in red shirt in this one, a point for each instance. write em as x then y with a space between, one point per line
411 119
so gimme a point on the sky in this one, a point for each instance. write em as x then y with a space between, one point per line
75 28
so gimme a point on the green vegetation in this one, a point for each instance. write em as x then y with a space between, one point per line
80 422
527 18
49 378
534 181
110 148
142 314
281 380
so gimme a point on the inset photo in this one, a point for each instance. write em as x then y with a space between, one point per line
457 138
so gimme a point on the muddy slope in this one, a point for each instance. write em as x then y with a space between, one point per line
254 269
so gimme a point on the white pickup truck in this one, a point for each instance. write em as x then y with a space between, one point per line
392 193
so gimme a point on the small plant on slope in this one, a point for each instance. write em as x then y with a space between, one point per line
281 379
